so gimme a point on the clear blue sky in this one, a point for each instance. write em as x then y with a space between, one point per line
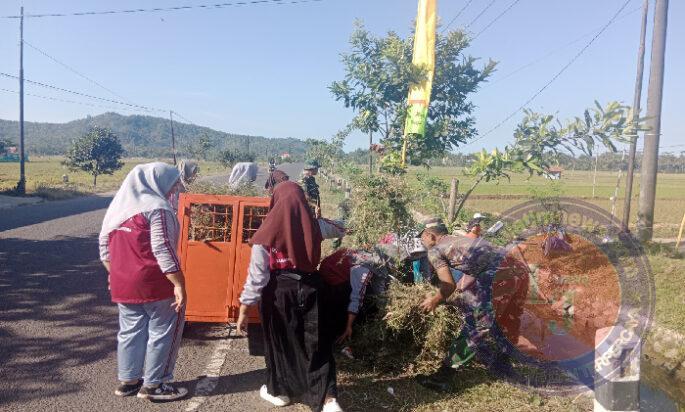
264 69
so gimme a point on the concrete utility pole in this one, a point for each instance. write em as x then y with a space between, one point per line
636 115
21 185
650 155
173 138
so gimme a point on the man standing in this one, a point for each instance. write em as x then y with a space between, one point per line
310 187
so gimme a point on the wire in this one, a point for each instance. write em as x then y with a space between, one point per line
161 9
495 19
480 14
69 101
459 13
554 78
71 69
49 86
183 118
555 51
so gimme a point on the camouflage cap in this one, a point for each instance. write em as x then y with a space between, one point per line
432 223
311 165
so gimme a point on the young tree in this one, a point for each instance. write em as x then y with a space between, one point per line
540 140
379 72
98 152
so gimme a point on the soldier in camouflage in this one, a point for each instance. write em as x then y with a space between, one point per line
310 187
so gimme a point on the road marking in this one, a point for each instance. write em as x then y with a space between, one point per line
208 383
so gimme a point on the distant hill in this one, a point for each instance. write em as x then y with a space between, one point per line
144 136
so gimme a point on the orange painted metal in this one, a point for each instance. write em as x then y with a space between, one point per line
215 254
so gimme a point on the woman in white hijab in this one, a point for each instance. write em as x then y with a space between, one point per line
243 173
188 170
138 248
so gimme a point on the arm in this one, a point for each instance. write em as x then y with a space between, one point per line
163 238
103 243
446 287
359 280
258 275
331 229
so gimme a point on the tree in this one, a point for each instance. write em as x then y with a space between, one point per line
5 143
200 149
98 152
540 140
379 72
228 158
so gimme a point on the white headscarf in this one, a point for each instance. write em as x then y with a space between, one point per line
242 173
188 169
145 189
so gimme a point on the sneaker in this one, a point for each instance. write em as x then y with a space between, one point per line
332 406
274 400
128 389
164 392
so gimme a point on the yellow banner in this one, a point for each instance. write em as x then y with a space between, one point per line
424 56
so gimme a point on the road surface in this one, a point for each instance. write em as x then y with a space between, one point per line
58 327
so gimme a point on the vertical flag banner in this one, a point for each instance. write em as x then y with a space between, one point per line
424 56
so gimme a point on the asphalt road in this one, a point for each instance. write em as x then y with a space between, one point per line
58 327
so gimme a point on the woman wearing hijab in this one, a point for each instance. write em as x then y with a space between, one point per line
281 277
138 248
242 174
188 171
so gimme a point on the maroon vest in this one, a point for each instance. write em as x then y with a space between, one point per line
135 276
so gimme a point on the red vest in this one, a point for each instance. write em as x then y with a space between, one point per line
135 276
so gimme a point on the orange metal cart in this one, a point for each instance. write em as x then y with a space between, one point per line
215 254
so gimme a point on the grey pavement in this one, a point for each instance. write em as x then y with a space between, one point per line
58 327
14 201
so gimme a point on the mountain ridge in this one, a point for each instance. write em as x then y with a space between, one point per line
144 136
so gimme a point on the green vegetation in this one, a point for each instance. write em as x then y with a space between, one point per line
97 152
378 74
146 136
44 177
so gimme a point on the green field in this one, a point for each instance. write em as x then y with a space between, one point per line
44 177
492 197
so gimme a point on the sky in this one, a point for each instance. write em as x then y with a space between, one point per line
264 69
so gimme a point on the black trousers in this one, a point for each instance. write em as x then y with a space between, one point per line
298 348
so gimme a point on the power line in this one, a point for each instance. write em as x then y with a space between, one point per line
183 118
556 50
66 100
481 13
162 9
495 19
71 69
49 86
459 13
554 78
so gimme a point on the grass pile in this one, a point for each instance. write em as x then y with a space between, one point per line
247 189
401 338
380 204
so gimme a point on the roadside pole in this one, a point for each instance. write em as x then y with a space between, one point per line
21 185
173 138
370 153
636 115
650 155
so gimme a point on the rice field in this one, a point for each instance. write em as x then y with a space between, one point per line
494 197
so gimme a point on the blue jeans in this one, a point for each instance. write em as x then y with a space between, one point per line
149 338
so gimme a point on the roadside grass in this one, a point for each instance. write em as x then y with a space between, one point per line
474 389
44 177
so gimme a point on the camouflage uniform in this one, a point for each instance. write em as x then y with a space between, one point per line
311 192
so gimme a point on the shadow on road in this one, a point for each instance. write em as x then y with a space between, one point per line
55 315
31 215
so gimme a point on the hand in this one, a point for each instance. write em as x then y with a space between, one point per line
317 212
180 298
109 283
430 303
346 335
241 325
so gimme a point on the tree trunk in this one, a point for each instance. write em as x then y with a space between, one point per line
95 180
467 194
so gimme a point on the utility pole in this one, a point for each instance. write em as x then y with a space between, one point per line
370 153
21 185
650 155
636 115
173 138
